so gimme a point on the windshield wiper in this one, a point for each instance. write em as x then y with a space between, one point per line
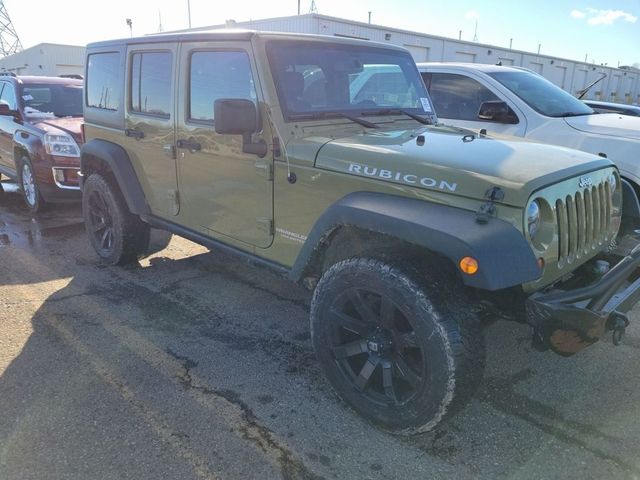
322 115
572 114
396 111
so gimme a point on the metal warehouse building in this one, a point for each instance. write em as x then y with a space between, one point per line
46 59
620 85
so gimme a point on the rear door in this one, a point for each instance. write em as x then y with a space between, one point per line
224 192
150 123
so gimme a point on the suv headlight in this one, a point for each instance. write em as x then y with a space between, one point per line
61 144
533 218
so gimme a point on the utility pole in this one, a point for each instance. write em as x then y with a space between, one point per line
9 41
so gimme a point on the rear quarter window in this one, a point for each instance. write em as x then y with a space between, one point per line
103 85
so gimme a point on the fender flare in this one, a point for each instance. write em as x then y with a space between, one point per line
119 163
504 255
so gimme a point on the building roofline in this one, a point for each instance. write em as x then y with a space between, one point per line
408 32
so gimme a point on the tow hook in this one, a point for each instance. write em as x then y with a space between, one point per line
618 323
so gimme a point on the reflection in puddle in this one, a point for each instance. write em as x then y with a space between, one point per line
19 227
9 187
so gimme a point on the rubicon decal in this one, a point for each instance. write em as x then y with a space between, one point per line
403 177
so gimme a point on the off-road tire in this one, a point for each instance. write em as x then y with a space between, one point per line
429 345
29 186
117 236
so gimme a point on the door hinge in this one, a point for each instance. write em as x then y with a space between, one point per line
265 225
174 201
265 169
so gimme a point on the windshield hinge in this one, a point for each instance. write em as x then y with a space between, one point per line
488 209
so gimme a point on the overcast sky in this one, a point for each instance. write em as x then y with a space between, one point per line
607 31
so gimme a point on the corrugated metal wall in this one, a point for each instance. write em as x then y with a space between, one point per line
46 59
621 85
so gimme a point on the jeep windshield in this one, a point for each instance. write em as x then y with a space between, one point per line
319 80
542 95
52 100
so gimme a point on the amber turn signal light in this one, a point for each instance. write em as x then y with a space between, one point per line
469 265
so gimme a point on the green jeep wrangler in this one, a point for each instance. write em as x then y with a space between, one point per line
322 158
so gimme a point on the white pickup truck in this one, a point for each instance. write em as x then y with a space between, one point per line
515 101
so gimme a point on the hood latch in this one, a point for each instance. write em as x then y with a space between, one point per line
488 209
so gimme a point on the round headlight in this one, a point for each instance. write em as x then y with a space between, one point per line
613 182
533 218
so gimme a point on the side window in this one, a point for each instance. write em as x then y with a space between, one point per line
103 85
456 96
150 83
213 75
8 96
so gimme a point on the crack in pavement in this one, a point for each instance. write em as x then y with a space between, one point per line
251 430
501 395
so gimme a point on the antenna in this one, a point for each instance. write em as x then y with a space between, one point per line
313 8
475 33
160 29
9 41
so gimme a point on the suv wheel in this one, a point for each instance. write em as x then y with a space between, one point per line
116 234
29 185
391 348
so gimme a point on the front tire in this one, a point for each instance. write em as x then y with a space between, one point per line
393 348
117 236
30 190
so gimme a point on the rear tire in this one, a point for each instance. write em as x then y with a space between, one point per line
402 353
117 236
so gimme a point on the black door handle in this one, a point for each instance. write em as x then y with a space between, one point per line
189 145
137 134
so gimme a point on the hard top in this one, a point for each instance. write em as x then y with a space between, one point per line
234 34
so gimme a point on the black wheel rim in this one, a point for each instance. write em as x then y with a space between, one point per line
100 222
374 345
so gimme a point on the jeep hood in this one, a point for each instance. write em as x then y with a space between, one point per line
70 125
610 124
454 161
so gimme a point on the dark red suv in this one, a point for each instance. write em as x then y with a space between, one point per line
40 137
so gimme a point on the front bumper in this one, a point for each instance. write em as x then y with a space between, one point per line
568 321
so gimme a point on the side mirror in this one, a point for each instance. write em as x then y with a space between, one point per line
238 116
497 111
6 111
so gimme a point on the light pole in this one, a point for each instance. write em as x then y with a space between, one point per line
130 23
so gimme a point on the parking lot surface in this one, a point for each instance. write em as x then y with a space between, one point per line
196 365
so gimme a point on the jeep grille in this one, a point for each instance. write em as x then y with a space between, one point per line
584 220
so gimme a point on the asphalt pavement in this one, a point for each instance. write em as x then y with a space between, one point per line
197 365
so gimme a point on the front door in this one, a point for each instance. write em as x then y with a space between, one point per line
223 191
457 98
8 126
